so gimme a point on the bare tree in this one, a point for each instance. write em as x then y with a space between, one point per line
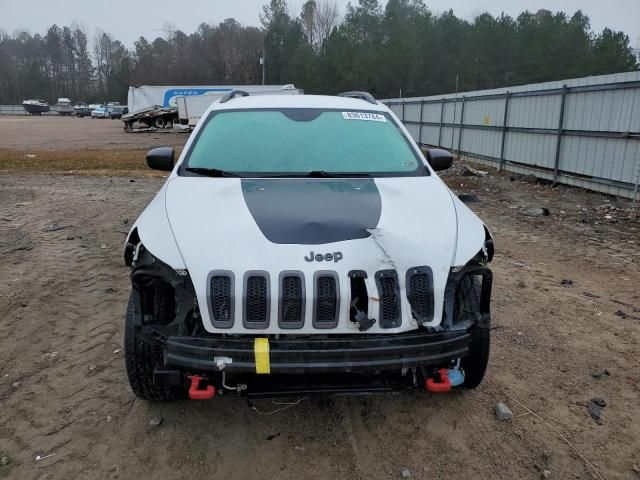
317 20
102 57
327 16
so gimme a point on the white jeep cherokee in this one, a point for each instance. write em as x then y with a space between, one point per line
304 244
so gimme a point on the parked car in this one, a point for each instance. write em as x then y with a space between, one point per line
81 110
100 112
305 244
115 112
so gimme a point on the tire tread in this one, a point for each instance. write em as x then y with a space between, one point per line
141 359
475 364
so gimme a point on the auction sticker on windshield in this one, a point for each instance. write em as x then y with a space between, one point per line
372 117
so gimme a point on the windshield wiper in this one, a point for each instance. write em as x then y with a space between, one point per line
320 174
211 172
215 172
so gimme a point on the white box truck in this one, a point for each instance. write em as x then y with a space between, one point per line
191 108
156 106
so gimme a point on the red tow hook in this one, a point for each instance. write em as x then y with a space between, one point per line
442 385
197 393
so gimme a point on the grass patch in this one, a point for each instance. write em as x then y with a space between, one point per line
116 162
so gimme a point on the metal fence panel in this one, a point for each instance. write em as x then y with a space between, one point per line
12 110
412 112
431 112
430 134
583 132
413 130
449 137
484 142
603 158
537 151
19 110
614 111
540 111
451 112
483 112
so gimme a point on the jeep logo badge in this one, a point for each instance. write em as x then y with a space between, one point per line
327 257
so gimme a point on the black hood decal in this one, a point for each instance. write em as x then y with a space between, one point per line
313 212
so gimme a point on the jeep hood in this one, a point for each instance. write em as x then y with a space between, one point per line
276 225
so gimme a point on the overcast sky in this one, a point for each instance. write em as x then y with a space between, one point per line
129 19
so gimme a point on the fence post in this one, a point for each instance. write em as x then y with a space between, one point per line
402 111
635 189
504 129
556 164
461 126
441 118
420 123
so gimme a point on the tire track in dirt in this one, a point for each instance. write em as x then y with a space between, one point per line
71 261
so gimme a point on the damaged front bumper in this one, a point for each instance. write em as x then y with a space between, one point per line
295 364
316 355
261 367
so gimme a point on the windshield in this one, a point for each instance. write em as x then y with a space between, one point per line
300 141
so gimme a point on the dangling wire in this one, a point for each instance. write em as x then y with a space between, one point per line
286 406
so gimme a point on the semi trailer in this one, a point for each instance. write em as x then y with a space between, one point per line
158 106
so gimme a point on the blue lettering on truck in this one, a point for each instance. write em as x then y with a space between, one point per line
188 92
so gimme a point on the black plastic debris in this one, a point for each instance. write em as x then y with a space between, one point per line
591 295
600 374
595 406
468 198
364 322
622 314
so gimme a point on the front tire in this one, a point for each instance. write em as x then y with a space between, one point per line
141 358
468 306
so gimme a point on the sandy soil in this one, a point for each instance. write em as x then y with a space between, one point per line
63 390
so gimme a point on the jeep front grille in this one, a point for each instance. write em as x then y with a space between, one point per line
420 293
389 293
256 299
326 300
221 298
292 300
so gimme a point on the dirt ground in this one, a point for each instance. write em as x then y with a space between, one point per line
566 329
71 133
79 146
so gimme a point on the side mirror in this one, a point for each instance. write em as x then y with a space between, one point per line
439 159
161 158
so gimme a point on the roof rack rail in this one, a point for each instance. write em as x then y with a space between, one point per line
366 96
233 94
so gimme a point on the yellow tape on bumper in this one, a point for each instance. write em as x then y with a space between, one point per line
261 353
